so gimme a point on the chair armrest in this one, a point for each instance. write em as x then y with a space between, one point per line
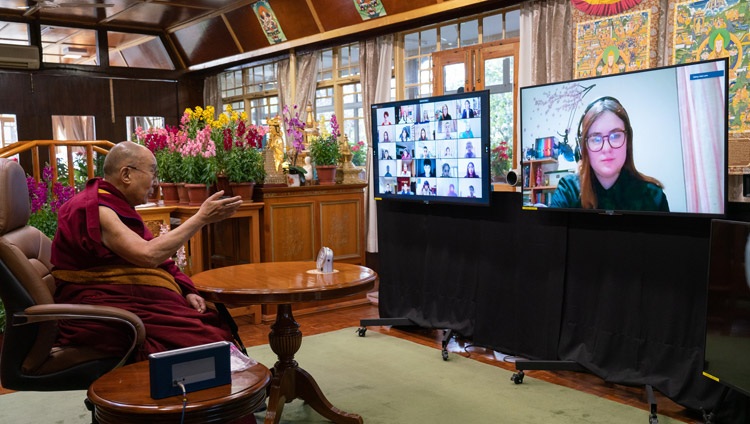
60 311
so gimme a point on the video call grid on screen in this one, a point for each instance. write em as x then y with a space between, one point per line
681 140
431 148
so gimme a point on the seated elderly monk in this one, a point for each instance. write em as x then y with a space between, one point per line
103 254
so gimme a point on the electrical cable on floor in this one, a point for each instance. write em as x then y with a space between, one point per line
184 400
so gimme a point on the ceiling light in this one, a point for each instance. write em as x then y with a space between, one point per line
74 52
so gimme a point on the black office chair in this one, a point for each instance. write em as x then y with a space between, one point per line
29 360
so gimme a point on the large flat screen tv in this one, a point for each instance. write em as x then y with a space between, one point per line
434 149
651 141
728 306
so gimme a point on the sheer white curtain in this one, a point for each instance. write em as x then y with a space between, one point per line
375 60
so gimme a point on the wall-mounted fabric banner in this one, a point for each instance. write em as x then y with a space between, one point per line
604 7
369 9
268 22
613 45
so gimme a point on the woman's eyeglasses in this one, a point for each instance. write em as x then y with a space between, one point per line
615 139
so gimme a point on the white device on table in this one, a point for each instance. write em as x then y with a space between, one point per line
325 260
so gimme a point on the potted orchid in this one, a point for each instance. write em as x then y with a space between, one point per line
324 151
295 130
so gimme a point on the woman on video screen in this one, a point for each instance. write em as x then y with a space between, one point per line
607 177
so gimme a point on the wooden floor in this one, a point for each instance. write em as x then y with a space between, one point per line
321 322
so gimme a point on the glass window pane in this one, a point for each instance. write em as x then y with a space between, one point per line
492 28
454 76
493 71
411 44
69 45
449 37
137 51
9 134
501 131
145 122
412 92
469 33
411 71
324 102
428 42
513 24
14 33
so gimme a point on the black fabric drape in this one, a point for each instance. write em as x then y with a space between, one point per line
624 296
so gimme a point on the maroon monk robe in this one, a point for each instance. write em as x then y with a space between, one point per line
169 319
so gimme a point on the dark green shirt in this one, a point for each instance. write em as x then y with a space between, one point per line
627 194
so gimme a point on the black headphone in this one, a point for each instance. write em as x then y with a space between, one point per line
577 151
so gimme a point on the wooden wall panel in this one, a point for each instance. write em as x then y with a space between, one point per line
295 18
35 97
247 29
399 6
205 41
334 15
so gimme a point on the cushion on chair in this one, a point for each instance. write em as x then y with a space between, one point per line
14 203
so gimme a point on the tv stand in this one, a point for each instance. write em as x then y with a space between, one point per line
403 322
527 364
393 322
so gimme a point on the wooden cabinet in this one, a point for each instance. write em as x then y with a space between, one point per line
536 187
298 221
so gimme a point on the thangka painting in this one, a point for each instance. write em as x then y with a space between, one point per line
268 22
613 45
369 9
711 29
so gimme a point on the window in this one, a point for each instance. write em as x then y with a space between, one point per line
252 89
10 130
421 44
145 122
137 51
69 45
340 91
14 33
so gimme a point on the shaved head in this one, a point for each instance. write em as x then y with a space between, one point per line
125 153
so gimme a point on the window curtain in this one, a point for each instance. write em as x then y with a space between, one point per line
212 94
547 56
307 79
284 80
375 60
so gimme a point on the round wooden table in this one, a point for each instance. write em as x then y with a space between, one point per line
123 396
285 283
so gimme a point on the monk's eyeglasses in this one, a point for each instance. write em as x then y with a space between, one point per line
154 174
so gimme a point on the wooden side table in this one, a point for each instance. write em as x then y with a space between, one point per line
123 396
283 284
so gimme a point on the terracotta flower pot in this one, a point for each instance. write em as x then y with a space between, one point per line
182 193
244 190
169 193
326 174
197 194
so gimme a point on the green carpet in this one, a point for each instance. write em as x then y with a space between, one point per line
388 380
